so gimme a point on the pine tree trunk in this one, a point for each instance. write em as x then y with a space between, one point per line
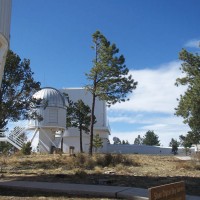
93 104
81 143
92 125
61 145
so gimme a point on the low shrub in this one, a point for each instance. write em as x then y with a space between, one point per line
26 149
80 173
89 163
196 161
119 167
196 157
78 160
81 161
113 160
98 170
187 165
3 163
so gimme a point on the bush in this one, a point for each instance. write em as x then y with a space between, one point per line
85 161
104 160
196 161
79 159
108 159
26 149
113 159
90 163
81 173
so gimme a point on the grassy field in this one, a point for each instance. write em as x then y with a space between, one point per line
141 171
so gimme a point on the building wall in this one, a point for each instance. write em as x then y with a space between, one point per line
46 136
71 136
74 141
5 16
52 117
143 149
100 107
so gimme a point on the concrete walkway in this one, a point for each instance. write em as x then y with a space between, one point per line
81 189
184 157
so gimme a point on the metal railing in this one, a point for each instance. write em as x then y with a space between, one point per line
16 137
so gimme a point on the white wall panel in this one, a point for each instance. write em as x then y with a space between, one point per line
5 16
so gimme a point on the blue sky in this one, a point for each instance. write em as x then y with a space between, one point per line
56 36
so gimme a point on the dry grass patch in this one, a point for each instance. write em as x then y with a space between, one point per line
126 170
55 164
138 165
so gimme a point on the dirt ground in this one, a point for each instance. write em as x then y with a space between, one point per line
145 171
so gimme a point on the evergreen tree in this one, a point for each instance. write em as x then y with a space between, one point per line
117 140
18 86
109 77
151 139
97 142
174 144
26 148
189 102
5 147
138 140
78 115
127 142
124 142
185 142
193 137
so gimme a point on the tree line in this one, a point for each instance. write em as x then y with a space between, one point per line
151 139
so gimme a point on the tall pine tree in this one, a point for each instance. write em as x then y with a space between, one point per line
109 78
189 102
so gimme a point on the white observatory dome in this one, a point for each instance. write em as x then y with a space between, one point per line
52 96
54 113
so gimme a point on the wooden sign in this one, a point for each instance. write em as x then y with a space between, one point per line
173 191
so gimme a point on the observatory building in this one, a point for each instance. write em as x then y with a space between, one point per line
52 113
51 108
50 124
49 130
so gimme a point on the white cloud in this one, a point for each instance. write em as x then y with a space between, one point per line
193 43
151 106
165 128
156 91
137 118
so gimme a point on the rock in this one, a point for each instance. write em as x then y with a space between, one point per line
109 172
